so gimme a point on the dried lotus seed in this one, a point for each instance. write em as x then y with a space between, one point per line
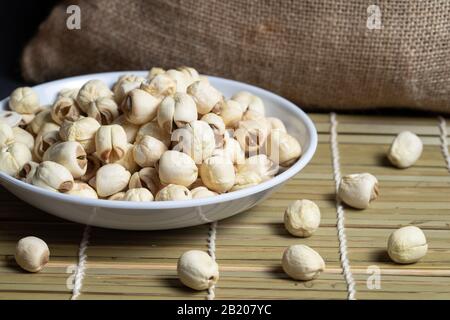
32 254
300 262
407 245
358 190
197 270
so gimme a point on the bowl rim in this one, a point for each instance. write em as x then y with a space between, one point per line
307 155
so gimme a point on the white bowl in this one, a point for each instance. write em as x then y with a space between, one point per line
171 214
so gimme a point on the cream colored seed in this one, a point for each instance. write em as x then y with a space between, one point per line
28 171
160 85
82 130
41 118
252 135
302 218
65 109
407 245
300 262
117 196
205 96
82 189
154 72
69 93
53 176
131 129
185 109
177 168
90 92
218 174
32 254
276 124
111 143
23 136
196 140
259 166
254 171
230 111
197 270
217 125
358 190
128 161
70 154
249 102
123 89
138 195
48 136
13 157
140 107
215 122
125 85
165 114
126 78
405 150
232 150
247 180
146 178
190 73
148 151
104 110
24 100
173 192
182 80
252 115
11 118
202 192
283 148
6 135
110 179
152 129
48 127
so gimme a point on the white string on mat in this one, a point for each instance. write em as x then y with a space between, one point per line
212 252
340 210
81 267
444 142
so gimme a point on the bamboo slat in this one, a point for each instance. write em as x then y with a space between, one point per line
249 246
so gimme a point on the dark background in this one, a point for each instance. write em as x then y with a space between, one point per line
19 21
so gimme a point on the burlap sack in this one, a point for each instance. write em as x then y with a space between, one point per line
319 54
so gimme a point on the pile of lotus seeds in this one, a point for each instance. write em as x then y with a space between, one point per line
170 136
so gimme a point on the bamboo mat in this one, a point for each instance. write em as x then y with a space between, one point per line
141 265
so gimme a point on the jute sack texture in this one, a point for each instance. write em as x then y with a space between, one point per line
319 54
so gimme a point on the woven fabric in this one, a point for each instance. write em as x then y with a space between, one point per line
319 54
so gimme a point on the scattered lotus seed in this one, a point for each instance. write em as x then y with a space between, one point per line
302 218
32 254
407 245
300 262
197 270
358 190
405 150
